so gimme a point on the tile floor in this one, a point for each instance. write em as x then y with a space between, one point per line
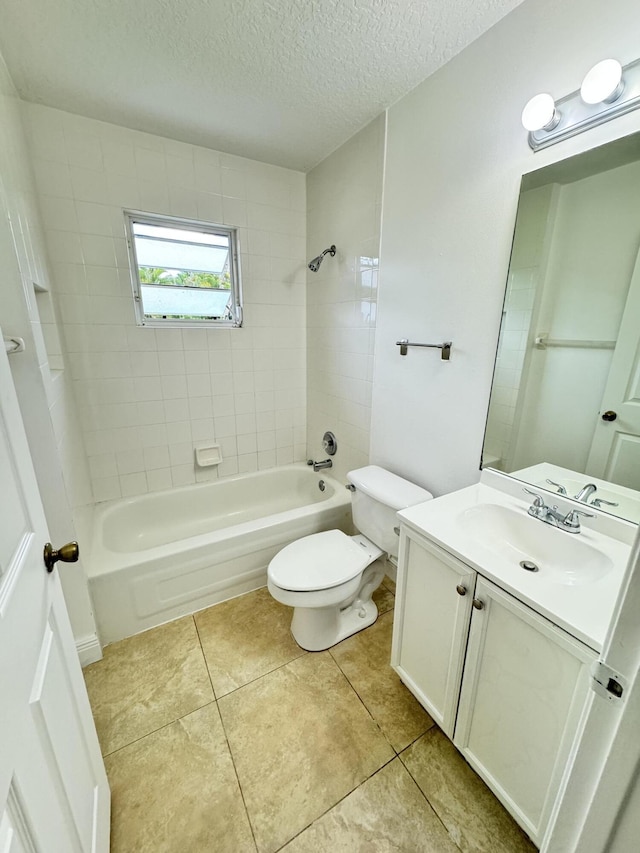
220 734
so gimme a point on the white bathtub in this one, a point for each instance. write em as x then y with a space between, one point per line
160 556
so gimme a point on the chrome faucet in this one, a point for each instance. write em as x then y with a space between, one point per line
585 493
551 515
319 466
561 489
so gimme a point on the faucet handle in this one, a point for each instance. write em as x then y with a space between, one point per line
539 500
561 489
598 502
572 522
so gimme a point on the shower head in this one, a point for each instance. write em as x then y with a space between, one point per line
314 265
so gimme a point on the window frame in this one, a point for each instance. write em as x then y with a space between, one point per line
158 219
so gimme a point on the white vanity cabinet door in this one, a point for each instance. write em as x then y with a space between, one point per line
433 608
524 689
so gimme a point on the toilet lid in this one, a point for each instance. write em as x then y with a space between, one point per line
319 561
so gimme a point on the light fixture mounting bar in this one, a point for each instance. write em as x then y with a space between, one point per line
576 116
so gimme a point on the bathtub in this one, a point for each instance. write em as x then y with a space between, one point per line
163 555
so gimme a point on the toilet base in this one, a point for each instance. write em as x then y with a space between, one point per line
318 628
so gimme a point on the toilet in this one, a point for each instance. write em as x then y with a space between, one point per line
328 578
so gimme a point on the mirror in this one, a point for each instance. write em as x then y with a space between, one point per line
565 400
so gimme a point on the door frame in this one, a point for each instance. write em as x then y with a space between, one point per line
606 755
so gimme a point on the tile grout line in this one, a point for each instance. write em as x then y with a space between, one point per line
159 729
431 805
377 724
226 738
182 716
204 658
235 770
336 804
366 708
258 678
264 674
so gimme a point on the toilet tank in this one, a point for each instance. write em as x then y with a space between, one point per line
378 496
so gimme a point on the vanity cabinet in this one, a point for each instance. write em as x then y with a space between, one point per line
503 682
435 593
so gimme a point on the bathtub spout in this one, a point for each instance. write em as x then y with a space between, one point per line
319 466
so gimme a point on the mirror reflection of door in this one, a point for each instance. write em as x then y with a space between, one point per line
568 349
615 450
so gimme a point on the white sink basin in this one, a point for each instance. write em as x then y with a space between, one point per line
487 527
559 557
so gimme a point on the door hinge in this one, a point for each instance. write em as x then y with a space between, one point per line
606 682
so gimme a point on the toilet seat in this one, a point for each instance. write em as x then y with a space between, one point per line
321 561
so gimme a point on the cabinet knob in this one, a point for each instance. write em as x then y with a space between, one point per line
461 590
478 604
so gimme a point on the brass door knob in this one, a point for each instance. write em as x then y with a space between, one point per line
69 553
609 416
478 603
461 590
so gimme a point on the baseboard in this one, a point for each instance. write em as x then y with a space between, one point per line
392 568
89 649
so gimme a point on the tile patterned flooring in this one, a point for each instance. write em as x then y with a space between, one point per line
220 734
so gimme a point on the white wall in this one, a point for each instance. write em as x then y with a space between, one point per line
344 198
455 154
147 396
46 405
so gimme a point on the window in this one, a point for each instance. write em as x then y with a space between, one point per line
183 272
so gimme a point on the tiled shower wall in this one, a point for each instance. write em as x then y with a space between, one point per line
147 397
344 199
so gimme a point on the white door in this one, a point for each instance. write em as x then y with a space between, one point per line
615 451
433 607
525 686
54 795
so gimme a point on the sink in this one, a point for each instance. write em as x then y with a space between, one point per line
486 526
512 535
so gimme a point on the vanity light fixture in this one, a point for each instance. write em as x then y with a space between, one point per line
608 90
540 113
603 84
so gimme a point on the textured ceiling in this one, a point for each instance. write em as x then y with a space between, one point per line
283 81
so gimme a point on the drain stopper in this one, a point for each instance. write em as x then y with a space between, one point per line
529 566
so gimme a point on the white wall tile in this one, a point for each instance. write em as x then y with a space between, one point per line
167 386
106 489
183 475
159 480
133 484
156 457
179 432
202 429
343 198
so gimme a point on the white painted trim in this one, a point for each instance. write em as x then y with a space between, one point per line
608 753
89 649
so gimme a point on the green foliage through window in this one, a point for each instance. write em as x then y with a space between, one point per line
159 275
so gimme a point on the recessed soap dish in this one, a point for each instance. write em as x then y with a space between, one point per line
208 455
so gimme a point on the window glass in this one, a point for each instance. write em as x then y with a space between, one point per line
183 271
